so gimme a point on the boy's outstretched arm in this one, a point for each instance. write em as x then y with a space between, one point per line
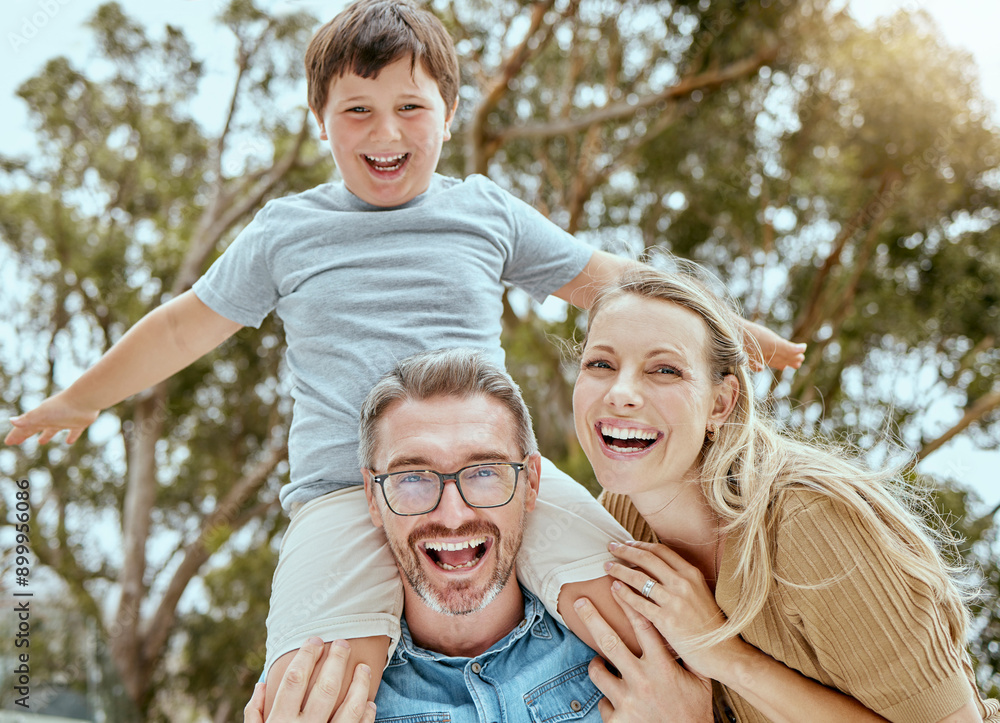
604 269
163 342
767 349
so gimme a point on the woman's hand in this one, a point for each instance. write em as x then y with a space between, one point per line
680 604
682 608
296 702
648 685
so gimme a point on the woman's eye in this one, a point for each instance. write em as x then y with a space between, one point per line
666 371
597 364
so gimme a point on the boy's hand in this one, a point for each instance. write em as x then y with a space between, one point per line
55 414
767 349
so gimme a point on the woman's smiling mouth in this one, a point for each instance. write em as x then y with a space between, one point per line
621 440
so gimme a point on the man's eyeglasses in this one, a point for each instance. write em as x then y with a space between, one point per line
417 492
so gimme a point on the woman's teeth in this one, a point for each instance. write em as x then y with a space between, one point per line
628 439
627 432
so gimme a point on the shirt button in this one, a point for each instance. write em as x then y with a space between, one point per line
476 667
575 705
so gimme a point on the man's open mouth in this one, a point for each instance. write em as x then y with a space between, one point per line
457 555
627 440
387 164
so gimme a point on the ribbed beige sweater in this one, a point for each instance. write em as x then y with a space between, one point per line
858 627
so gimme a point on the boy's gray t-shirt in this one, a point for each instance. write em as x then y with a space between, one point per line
359 287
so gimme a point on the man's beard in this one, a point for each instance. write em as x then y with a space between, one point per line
465 596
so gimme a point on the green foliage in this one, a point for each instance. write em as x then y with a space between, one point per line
224 653
976 531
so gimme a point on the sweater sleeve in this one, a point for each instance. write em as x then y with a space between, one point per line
877 632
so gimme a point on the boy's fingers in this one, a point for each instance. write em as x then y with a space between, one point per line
21 431
253 712
607 710
355 708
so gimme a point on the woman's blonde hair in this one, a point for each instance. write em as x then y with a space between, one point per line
750 466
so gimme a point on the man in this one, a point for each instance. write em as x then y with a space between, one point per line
451 472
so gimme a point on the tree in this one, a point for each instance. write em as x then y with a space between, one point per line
126 203
840 179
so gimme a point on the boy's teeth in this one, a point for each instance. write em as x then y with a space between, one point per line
627 432
386 163
453 546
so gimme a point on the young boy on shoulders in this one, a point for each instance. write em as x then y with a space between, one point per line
392 261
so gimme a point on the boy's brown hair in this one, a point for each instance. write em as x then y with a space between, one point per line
368 35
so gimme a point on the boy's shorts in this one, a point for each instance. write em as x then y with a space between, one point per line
337 579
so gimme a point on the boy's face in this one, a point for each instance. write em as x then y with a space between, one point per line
386 133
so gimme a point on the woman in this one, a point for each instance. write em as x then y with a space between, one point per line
794 549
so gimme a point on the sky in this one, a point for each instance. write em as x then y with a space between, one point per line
33 31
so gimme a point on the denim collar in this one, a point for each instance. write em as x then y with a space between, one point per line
533 621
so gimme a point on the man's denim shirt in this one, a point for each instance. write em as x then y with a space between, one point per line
537 673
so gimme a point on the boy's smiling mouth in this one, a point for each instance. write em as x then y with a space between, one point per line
386 163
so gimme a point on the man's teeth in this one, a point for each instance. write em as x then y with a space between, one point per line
446 566
627 432
453 546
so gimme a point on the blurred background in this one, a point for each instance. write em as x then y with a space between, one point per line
835 164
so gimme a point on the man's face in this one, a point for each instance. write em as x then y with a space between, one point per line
386 132
456 558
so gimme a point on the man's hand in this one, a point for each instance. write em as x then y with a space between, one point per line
648 685
297 702
55 414
767 349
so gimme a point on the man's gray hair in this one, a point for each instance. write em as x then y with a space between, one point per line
445 372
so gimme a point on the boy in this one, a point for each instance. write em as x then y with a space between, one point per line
392 261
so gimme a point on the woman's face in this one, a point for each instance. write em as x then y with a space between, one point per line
645 395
